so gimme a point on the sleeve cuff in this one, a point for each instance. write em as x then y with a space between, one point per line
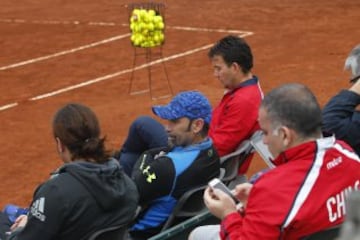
231 220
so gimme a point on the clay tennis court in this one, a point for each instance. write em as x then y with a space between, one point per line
55 52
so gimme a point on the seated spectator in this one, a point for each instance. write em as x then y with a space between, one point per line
341 114
163 175
87 193
293 199
233 120
235 117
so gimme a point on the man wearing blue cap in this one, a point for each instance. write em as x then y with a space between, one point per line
233 120
164 174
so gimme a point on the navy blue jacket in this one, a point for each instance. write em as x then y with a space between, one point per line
341 118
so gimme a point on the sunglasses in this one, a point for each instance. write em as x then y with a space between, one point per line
355 79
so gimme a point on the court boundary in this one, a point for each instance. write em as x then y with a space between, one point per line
101 42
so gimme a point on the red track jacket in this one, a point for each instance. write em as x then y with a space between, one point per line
235 118
304 194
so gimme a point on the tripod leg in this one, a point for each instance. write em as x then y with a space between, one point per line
148 61
166 73
132 71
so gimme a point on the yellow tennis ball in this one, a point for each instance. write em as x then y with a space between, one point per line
150 26
151 12
136 27
156 38
157 19
160 25
142 14
161 37
132 26
136 11
142 26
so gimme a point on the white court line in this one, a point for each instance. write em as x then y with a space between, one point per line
7 106
65 52
194 29
109 76
113 24
106 77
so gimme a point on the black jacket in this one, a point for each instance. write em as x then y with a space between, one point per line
341 118
80 198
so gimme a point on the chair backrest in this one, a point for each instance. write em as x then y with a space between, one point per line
232 161
328 234
111 233
259 146
190 204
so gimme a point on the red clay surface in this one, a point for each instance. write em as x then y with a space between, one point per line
302 41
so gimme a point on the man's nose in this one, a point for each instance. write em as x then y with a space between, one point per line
167 127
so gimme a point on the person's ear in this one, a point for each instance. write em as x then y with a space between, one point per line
59 145
236 67
286 136
197 125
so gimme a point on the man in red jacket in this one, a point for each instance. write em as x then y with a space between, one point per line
307 190
234 119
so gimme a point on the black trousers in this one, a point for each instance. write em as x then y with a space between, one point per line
5 225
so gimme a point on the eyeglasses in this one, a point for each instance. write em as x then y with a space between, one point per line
355 79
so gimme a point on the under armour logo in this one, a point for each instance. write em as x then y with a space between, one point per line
150 176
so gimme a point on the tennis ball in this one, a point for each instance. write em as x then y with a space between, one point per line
157 19
136 11
151 12
142 26
142 14
160 25
161 37
150 26
136 27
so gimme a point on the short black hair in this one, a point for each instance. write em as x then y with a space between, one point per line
233 49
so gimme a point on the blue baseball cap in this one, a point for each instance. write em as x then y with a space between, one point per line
190 104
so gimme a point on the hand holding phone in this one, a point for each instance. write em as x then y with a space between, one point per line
216 183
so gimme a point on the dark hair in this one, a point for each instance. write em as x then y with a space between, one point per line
233 49
204 131
78 129
295 106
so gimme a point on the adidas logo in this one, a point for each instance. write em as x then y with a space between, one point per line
37 209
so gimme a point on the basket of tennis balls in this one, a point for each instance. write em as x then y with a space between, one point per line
147 27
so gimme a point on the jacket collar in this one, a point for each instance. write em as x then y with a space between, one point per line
304 150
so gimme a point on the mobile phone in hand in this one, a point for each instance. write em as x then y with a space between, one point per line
216 183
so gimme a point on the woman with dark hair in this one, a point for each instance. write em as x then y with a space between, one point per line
88 193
